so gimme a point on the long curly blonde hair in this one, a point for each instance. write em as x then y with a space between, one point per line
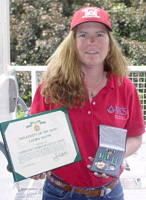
62 83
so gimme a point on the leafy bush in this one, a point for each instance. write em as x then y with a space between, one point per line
20 113
38 27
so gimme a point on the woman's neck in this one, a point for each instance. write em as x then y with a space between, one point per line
94 81
92 78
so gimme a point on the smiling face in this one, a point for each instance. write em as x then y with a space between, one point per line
93 44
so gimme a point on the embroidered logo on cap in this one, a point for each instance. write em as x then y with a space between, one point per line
91 13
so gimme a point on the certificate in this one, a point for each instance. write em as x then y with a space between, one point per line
39 143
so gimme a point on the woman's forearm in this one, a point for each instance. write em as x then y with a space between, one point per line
132 145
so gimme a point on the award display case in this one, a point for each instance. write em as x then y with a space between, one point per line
111 151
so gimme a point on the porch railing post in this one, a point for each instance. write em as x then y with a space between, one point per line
34 82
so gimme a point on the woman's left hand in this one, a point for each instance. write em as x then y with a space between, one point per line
96 173
123 166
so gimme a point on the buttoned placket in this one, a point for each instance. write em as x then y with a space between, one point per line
91 107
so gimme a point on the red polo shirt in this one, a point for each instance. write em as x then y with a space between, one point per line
114 105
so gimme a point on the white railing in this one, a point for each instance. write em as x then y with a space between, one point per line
137 75
34 77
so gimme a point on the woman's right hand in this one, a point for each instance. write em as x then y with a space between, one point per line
41 176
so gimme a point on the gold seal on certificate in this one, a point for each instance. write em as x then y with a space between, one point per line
39 143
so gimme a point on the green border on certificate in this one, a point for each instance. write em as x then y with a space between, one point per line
39 143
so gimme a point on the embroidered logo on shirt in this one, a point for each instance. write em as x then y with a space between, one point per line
111 109
120 112
91 12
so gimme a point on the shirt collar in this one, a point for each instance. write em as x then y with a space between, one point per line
110 82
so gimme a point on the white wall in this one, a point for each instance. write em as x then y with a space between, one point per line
4 99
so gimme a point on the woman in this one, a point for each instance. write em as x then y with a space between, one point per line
87 75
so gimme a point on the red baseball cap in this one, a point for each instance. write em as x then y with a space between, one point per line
90 14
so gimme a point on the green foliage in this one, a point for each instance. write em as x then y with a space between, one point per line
141 95
20 113
27 97
24 82
128 3
38 27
